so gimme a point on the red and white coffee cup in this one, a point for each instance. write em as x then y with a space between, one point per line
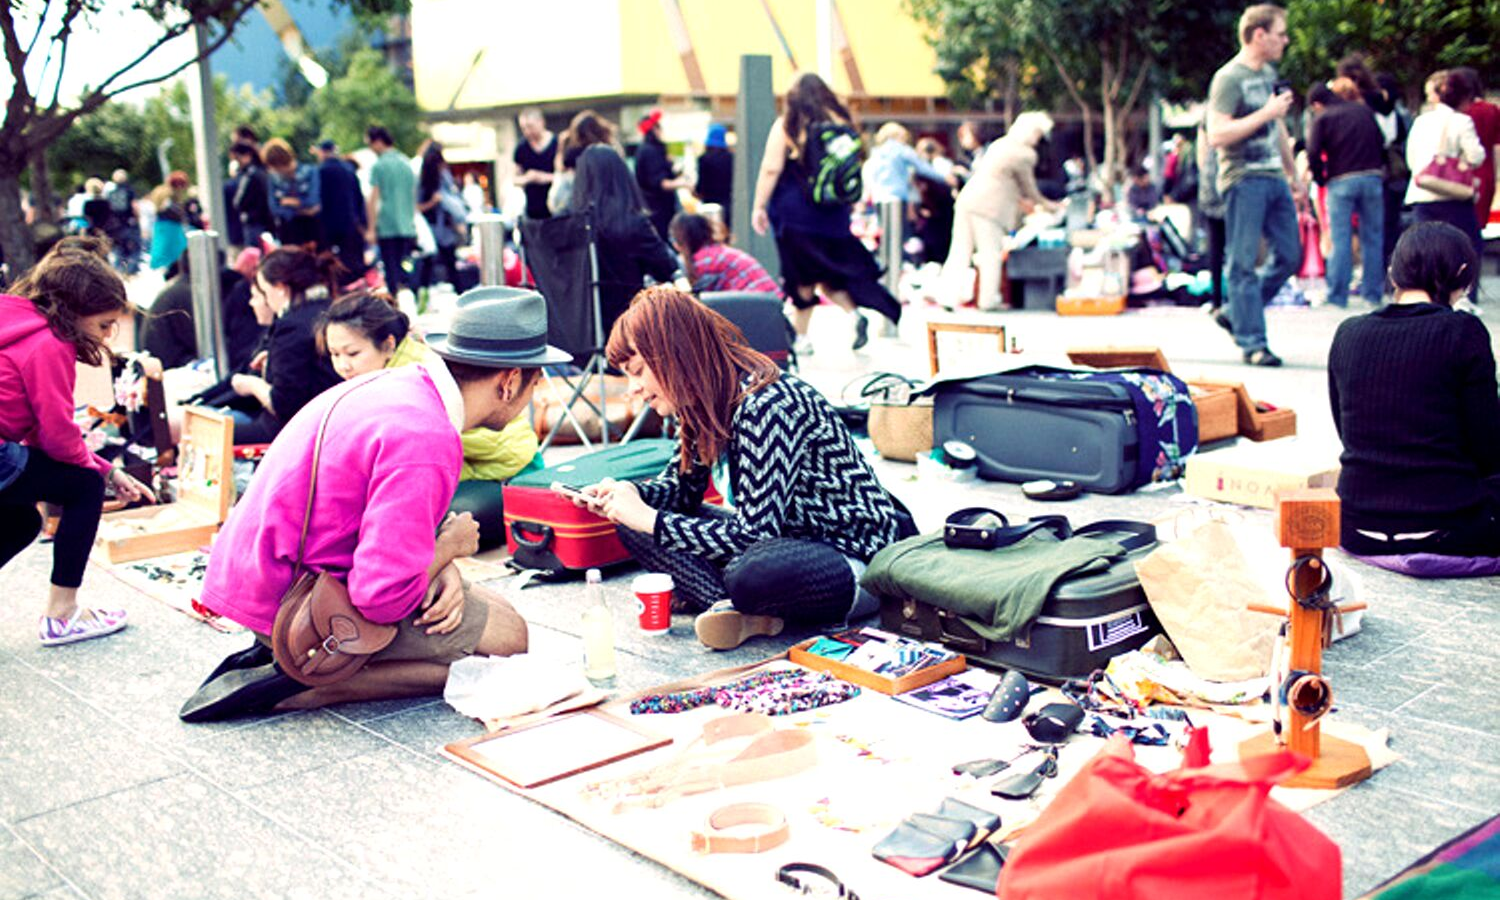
653 601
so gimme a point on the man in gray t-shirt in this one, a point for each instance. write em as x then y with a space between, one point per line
1246 106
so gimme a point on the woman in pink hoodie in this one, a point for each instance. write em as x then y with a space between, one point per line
60 314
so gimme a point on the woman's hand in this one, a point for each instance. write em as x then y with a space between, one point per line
128 488
590 497
760 220
458 536
250 386
258 361
623 506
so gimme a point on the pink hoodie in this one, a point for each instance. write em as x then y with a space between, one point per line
38 370
389 467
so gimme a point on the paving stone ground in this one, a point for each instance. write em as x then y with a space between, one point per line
104 794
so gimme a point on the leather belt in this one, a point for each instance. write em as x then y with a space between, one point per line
769 754
714 838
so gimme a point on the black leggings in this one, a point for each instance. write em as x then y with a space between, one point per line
80 493
789 578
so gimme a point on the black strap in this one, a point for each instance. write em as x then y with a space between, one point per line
1138 534
787 875
960 531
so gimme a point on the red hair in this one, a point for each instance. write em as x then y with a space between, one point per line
699 357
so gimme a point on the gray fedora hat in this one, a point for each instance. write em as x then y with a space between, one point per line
500 327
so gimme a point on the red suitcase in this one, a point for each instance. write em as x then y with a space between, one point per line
546 532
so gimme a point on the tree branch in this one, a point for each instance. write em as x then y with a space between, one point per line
1135 89
41 20
15 107
64 31
236 11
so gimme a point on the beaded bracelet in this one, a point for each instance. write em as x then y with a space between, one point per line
682 701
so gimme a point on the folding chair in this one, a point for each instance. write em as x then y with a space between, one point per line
560 254
759 316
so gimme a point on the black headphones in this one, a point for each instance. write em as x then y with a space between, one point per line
787 875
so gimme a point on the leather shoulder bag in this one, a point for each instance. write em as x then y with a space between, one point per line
319 637
1448 175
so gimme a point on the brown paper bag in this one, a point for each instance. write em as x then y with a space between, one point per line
1200 587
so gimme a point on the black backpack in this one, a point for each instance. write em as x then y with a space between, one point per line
835 157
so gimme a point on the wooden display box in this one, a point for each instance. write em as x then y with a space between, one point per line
1218 412
1090 306
205 491
1250 420
1113 357
1253 474
864 678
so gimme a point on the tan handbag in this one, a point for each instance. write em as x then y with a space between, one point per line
900 425
319 637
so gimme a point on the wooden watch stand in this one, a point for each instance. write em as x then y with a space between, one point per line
1307 520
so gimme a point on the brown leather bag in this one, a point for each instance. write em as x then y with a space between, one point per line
318 636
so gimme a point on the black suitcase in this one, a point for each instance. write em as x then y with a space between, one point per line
1086 621
1087 427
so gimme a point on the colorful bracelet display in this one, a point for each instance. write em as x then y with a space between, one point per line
776 693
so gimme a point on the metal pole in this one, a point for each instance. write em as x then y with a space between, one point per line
754 114
491 231
1154 135
208 317
891 214
206 139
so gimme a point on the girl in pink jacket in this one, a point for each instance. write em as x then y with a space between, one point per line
59 314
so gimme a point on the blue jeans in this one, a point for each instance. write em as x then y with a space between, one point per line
1258 205
1365 195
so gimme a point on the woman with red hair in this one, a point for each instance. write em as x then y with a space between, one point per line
803 512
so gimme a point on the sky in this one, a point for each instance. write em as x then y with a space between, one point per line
113 37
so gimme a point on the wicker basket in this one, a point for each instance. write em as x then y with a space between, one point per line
901 431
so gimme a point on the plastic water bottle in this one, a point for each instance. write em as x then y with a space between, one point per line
598 634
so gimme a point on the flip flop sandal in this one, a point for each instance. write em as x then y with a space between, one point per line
723 627
1024 784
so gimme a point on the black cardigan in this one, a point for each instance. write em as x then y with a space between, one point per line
295 369
1412 390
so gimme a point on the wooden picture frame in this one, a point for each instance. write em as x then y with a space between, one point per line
936 328
554 748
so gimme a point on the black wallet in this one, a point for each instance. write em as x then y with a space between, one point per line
979 870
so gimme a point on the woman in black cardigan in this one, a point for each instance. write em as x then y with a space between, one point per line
297 286
803 512
629 247
1412 389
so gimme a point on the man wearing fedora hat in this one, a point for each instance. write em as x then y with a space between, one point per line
389 463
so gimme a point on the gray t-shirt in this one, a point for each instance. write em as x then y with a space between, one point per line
1237 91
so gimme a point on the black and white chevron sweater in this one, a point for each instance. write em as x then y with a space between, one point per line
796 473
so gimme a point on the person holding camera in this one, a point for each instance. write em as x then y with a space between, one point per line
1247 108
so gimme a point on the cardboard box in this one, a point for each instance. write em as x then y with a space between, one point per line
1251 474
864 678
205 491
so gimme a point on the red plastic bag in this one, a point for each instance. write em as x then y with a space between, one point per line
1120 831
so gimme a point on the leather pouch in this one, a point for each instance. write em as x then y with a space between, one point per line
914 850
985 822
1054 723
979 870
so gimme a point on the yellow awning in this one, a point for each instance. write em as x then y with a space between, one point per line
482 54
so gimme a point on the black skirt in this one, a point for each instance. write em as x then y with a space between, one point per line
839 263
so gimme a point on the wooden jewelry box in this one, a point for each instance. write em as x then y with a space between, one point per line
205 491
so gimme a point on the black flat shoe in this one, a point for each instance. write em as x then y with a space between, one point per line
1023 784
257 654
1262 357
240 692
